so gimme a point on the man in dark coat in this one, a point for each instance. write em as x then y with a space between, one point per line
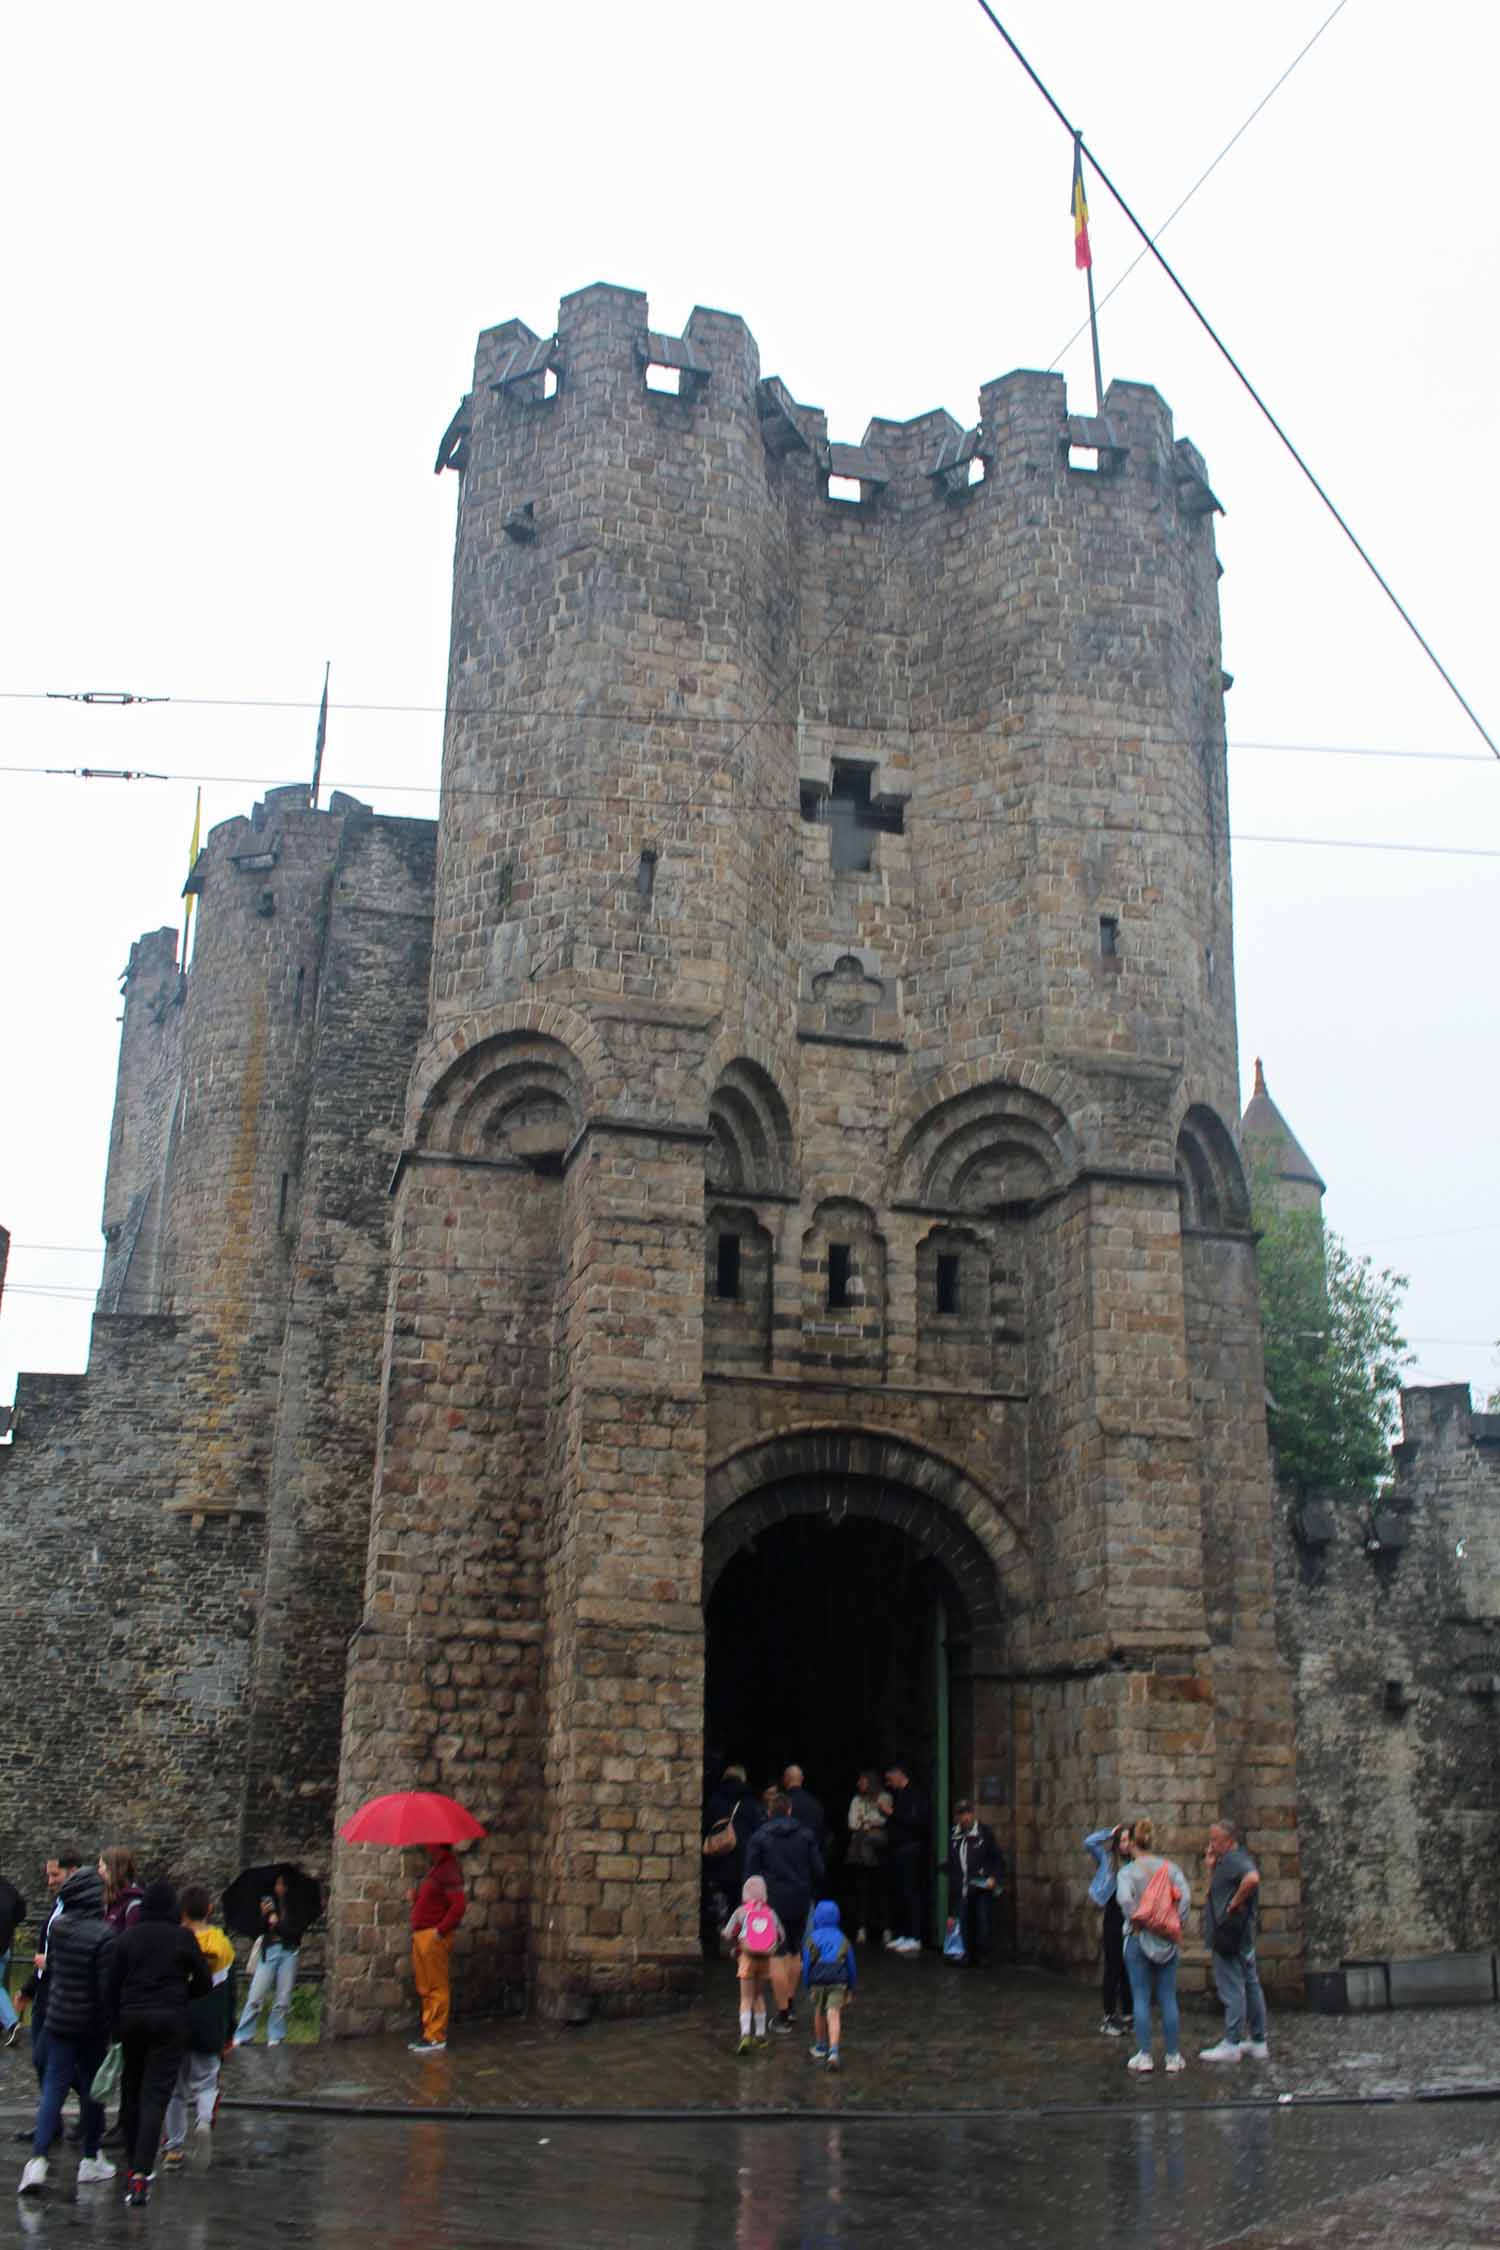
786 1855
79 1952
908 1828
805 1806
976 1872
65 1861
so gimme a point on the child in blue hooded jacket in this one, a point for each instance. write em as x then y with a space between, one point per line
828 1971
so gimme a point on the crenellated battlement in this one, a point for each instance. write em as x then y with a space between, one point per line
604 349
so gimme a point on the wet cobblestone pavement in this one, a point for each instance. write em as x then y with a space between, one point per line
921 2036
968 2106
1182 2179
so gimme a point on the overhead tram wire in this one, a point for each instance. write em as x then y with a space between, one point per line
624 718
915 815
1178 208
1076 136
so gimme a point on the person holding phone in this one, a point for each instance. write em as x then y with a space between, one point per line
275 1975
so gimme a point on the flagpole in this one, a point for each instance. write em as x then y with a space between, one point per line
1094 334
322 738
188 896
1084 256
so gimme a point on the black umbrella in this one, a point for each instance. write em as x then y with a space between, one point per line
304 1900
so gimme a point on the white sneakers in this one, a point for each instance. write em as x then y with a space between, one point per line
903 1945
1140 2062
34 2178
1259 2050
1176 2062
1222 2050
94 2168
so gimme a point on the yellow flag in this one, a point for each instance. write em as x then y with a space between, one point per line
187 912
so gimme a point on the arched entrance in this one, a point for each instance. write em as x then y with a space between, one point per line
853 1620
825 1643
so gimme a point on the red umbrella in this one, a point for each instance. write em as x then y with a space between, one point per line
411 1816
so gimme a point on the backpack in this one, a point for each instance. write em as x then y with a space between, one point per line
823 1969
1157 1911
758 1932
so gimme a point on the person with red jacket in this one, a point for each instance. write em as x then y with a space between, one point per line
437 1908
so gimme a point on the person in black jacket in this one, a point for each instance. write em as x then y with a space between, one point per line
275 1974
805 1806
78 1958
976 1871
786 1854
158 1970
724 1872
907 1830
65 1861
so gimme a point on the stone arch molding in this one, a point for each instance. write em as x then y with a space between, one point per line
872 1473
1210 1176
977 1141
751 1148
515 1096
457 1058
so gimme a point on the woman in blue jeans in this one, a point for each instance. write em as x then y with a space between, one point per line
1150 1959
276 1971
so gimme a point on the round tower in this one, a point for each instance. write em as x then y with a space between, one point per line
1271 1145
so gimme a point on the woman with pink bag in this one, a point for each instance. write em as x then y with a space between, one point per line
1154 1899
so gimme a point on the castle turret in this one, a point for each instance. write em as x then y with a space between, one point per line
1271 1145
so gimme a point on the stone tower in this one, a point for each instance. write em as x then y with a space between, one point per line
1267 1139
817 1175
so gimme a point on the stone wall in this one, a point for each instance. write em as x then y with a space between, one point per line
1390 1621
133 1624
186 1523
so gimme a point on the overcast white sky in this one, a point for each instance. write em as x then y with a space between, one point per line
247 255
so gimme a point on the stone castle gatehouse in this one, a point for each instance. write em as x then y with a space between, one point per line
737 1242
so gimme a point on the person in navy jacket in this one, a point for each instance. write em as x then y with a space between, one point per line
976 1873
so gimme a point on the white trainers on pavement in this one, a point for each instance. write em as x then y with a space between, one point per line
34 2178
1139 2061
94 2168
1257 2049
1176 2062
1222 2050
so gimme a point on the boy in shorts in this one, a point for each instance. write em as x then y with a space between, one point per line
828 1972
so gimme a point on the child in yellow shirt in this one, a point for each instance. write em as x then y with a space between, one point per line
212 2028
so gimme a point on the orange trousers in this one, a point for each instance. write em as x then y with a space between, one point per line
430 1956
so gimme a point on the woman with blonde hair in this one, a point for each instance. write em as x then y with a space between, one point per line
1150 1954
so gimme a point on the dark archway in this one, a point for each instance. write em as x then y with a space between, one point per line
844 1615
824 1641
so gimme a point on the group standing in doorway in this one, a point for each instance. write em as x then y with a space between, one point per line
770 1874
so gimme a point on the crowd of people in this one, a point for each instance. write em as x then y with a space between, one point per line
884 1849
135 1987
1145 1898
777 1893
130 1987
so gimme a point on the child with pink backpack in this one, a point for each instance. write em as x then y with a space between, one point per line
755 1932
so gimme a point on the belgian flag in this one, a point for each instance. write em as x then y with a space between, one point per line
1082 255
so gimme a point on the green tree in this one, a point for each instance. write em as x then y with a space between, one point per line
1333 1347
